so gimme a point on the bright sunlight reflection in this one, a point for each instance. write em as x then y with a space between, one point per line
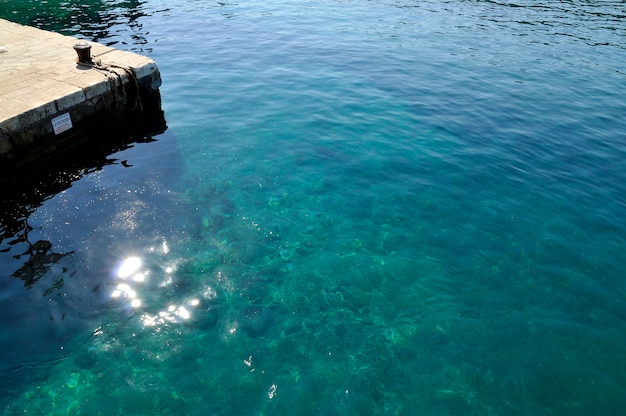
172 315
129 267
132 278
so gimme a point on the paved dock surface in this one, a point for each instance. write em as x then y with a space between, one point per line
40 79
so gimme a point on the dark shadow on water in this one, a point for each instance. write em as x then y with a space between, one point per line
25 189
39 258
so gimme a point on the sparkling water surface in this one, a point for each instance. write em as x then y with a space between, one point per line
358 208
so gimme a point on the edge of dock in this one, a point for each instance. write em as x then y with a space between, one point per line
48 98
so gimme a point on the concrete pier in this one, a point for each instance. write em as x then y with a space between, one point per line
48 99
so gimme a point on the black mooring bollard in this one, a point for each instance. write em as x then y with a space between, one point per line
83 49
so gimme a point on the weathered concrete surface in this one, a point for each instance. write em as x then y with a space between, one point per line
41 81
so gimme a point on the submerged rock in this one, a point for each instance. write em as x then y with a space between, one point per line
207 316
208 309
255 320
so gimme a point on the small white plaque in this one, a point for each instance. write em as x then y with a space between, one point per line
61 123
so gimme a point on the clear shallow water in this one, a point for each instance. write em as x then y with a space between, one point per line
358 208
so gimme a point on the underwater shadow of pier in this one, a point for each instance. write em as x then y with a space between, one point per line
24 189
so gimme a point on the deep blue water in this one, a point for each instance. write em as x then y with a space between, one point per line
359 207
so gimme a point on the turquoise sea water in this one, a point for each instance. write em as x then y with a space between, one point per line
358 208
